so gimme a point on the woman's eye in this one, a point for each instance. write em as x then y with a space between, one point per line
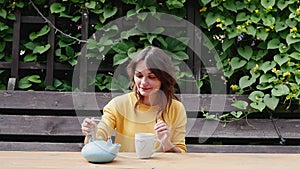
152 77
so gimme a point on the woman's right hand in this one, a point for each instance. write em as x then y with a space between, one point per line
89 127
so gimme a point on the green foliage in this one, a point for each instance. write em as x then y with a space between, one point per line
258 47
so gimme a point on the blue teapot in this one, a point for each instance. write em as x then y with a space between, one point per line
100 151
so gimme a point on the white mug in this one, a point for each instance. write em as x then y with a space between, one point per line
144 144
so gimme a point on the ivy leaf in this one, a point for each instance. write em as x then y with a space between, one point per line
237 114
297 78
57 8
291 22
280 90
273 44
242 17
211 18
251 30
282 4
267 3
3 13
271 101
267 78
268 20
268 65
280 26
230 5
181 55
246 52
227 43
34 79
109 11
40 33
290 39
258 105
30 58
41 49
240 104
262 34
237 63
90 5
205 2
295 55
24 83
281 59
256 96
246 81
120 58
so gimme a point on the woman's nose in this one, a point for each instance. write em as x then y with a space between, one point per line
144 80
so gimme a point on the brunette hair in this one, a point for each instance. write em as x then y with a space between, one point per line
160 64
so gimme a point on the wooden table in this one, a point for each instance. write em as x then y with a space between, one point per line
74 160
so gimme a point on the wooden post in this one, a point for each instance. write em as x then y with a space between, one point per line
83 60
16 46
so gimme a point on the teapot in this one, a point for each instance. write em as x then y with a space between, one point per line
100 151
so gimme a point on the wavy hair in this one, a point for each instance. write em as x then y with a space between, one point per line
160 64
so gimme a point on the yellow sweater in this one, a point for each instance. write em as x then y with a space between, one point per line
119 116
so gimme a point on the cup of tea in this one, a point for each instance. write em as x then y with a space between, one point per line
145 144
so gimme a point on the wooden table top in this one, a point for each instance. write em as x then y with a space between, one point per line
74 160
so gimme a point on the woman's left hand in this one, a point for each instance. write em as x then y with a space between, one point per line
162 131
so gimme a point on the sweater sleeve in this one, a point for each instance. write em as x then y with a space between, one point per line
179 127
108 122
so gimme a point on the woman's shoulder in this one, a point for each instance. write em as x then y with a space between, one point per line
122 98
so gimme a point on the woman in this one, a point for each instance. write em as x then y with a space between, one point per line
150 107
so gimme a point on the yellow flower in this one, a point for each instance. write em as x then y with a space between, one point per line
256 11
288 97
256 98
255 68
272 26
294 29
286 74
270 7
274 70
219 20
239 27
267 29
203 9
234 87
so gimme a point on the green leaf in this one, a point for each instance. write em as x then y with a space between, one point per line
246 52
34 79
227 43
295 55
271 101
3 13
205 2
291 22
240 104
57 7
256 96
297 78
262 34
24 83
280 90
237 63
109 12
31 45
273 44
267 3
246 81
41 49
181 55
268 65
267 78
291 39
120 58
40 33
211 18
237 114
282 4
90 5
242 17
258 105
281 59
280 26
30 58
251 30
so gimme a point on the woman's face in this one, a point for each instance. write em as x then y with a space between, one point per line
146 82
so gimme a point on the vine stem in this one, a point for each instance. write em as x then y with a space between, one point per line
53 26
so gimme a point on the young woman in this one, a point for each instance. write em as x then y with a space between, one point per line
150 107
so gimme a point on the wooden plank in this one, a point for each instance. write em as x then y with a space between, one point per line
40 125
196 128
241 149
50 52
40 146
96 101
253 128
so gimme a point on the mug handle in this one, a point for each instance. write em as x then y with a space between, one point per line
160 144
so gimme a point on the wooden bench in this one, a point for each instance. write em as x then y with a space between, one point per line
47 121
